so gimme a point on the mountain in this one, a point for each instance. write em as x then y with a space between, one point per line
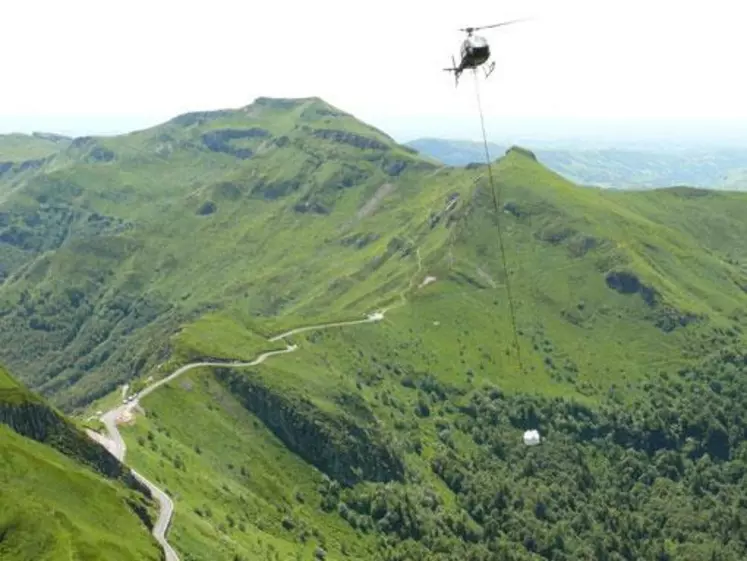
126 257
64 497
718 168
115 242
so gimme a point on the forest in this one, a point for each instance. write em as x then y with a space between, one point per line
660 479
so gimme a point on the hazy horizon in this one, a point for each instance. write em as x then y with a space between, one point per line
581 71
539 133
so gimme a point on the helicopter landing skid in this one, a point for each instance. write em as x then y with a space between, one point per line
489 69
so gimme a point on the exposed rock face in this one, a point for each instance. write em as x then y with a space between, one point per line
350 138
336 445
219 140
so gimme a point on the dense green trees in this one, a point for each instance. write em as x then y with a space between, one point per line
661 478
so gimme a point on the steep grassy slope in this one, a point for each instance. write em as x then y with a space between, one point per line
63 496
29 415
625 168
238 489
53 508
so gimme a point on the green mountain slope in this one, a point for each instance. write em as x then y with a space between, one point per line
126 257
624 168
85 236
24 147
294 210
660 478
63 497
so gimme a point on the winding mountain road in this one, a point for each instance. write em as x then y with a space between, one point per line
115 444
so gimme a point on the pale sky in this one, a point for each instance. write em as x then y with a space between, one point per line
83 66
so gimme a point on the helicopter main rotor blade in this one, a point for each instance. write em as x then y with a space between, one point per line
470 29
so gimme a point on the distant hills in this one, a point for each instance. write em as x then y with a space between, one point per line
718 168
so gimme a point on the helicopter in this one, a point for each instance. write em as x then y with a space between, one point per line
475 51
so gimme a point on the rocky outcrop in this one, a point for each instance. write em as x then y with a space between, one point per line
350 138
220 140
338 446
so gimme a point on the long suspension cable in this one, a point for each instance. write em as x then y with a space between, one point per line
498 221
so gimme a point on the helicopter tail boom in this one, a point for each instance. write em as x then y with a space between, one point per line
455 69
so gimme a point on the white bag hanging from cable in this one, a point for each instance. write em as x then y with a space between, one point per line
531 438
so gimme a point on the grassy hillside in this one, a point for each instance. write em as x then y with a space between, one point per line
53 508
125 257
24 147
293 211
60 500
623 168
124 239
